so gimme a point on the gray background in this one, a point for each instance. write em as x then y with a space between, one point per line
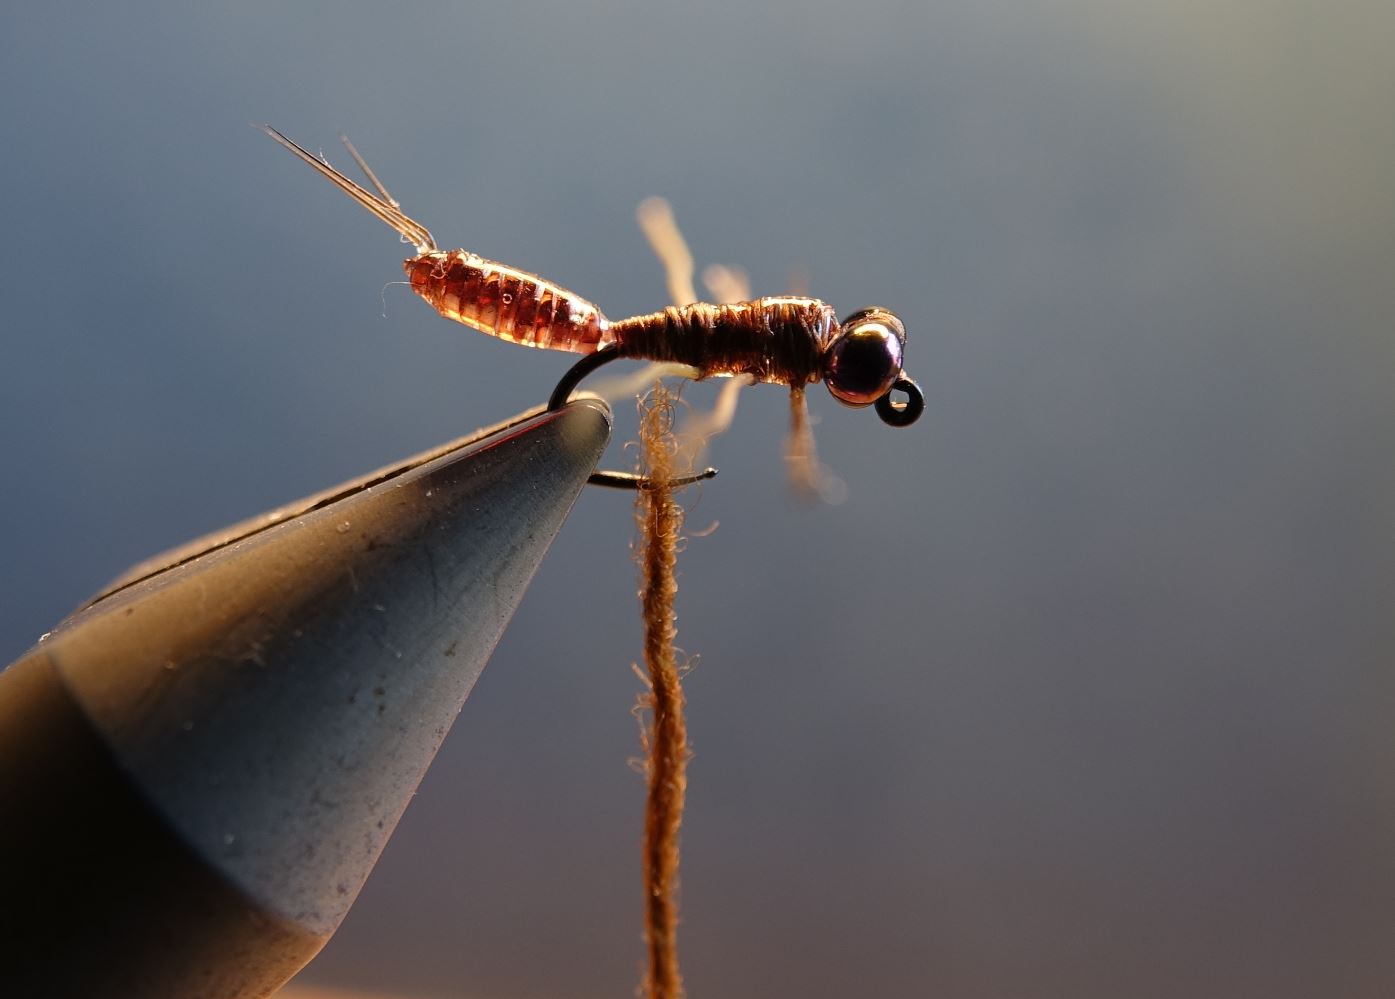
1085 691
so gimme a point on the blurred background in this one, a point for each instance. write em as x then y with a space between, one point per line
1085 691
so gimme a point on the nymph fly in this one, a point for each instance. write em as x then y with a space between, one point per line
784 340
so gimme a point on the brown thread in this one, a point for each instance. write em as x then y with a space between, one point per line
660 520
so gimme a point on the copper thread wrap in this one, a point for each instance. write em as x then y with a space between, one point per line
660 520
778 340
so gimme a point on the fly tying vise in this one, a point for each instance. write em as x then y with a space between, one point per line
786 340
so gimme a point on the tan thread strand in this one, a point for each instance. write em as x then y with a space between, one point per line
803 461
660 521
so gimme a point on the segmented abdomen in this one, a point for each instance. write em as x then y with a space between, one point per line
506 302
775 339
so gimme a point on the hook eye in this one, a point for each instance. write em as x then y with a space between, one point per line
901 414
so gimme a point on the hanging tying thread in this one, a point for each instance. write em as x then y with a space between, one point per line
660 521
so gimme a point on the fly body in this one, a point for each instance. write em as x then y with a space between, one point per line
787 340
